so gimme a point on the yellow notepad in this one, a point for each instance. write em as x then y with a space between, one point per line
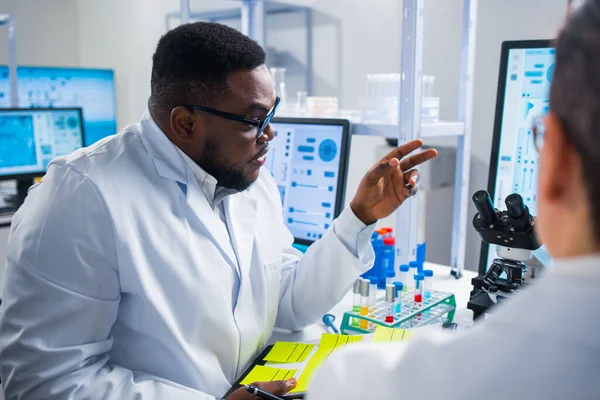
285 352
261 373
384 334
329 343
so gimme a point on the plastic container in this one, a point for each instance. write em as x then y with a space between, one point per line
414 269
373 290
428 284
390 277
377 243
398 299
387 260
404 277
419 278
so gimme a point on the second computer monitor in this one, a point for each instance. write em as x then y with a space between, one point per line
308 159
31 138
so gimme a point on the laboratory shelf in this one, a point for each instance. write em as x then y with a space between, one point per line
428 129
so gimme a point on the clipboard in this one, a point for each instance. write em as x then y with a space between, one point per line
260 360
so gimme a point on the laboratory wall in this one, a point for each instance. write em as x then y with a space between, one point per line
351 38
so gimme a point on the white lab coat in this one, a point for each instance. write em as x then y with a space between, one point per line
542 344
119 277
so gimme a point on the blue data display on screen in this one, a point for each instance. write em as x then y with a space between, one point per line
305 159
526 97
30 139
91 89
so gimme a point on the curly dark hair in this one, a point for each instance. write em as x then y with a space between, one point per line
192 62
575 95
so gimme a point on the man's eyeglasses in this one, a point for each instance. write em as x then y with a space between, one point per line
260 124
538 129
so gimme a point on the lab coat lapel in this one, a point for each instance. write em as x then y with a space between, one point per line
202 210
241 212
170 165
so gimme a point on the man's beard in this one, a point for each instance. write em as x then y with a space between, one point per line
227 176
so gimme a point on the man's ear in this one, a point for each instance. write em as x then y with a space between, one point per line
183 125
559 162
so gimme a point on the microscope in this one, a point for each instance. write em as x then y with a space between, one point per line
513 232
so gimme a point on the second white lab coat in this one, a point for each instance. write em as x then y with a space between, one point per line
119 277
542 344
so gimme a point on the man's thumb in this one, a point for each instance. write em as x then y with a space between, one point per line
278 388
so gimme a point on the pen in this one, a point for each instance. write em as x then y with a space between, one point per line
261 393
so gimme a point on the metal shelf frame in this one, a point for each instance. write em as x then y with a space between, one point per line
410 126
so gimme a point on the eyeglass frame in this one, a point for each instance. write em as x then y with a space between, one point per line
260 124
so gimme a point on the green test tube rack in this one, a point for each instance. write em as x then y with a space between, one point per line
439 307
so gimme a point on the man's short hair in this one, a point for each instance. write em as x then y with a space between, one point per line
192 62
575 95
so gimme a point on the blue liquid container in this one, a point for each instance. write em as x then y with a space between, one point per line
387 260
377 243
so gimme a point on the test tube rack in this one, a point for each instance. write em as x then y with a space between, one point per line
412 315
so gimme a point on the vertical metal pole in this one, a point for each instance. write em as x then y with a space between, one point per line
253 20
463 150
309 48
407 216
185 11
9 21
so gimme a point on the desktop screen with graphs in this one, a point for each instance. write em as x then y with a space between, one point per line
31 138
306 161
528 76
91 89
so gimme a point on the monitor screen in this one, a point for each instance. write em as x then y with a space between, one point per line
91 89
525 77
308 159
31 138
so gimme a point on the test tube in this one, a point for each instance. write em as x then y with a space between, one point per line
404 277
389 302
398 300
373 291
390 277
364 302
419 288
428 283
356 300
414 269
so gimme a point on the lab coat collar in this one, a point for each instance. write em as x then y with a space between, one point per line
587 266
168 162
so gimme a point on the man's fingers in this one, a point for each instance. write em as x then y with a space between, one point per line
418 159
277 388
380 170
411 179
401 151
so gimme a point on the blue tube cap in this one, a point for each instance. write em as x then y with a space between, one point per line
428 273
399 285
404 268
390 273
373 280
419 277
413 264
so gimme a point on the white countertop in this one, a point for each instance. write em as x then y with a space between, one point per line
442 281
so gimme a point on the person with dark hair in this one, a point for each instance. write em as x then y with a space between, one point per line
545 342
155 263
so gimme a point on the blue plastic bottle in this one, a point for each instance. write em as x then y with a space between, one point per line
377 243
387 260
421 249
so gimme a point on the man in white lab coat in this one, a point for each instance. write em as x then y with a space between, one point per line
545 342
155 263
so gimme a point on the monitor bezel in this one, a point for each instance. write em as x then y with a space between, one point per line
32 175
507 46
344 158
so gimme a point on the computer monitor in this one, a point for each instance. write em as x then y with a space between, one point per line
31 138
91 89
526 69
309 159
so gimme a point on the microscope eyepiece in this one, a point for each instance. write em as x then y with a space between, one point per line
515 206
485 207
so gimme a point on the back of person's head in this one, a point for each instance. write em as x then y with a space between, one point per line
192 62
573 126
